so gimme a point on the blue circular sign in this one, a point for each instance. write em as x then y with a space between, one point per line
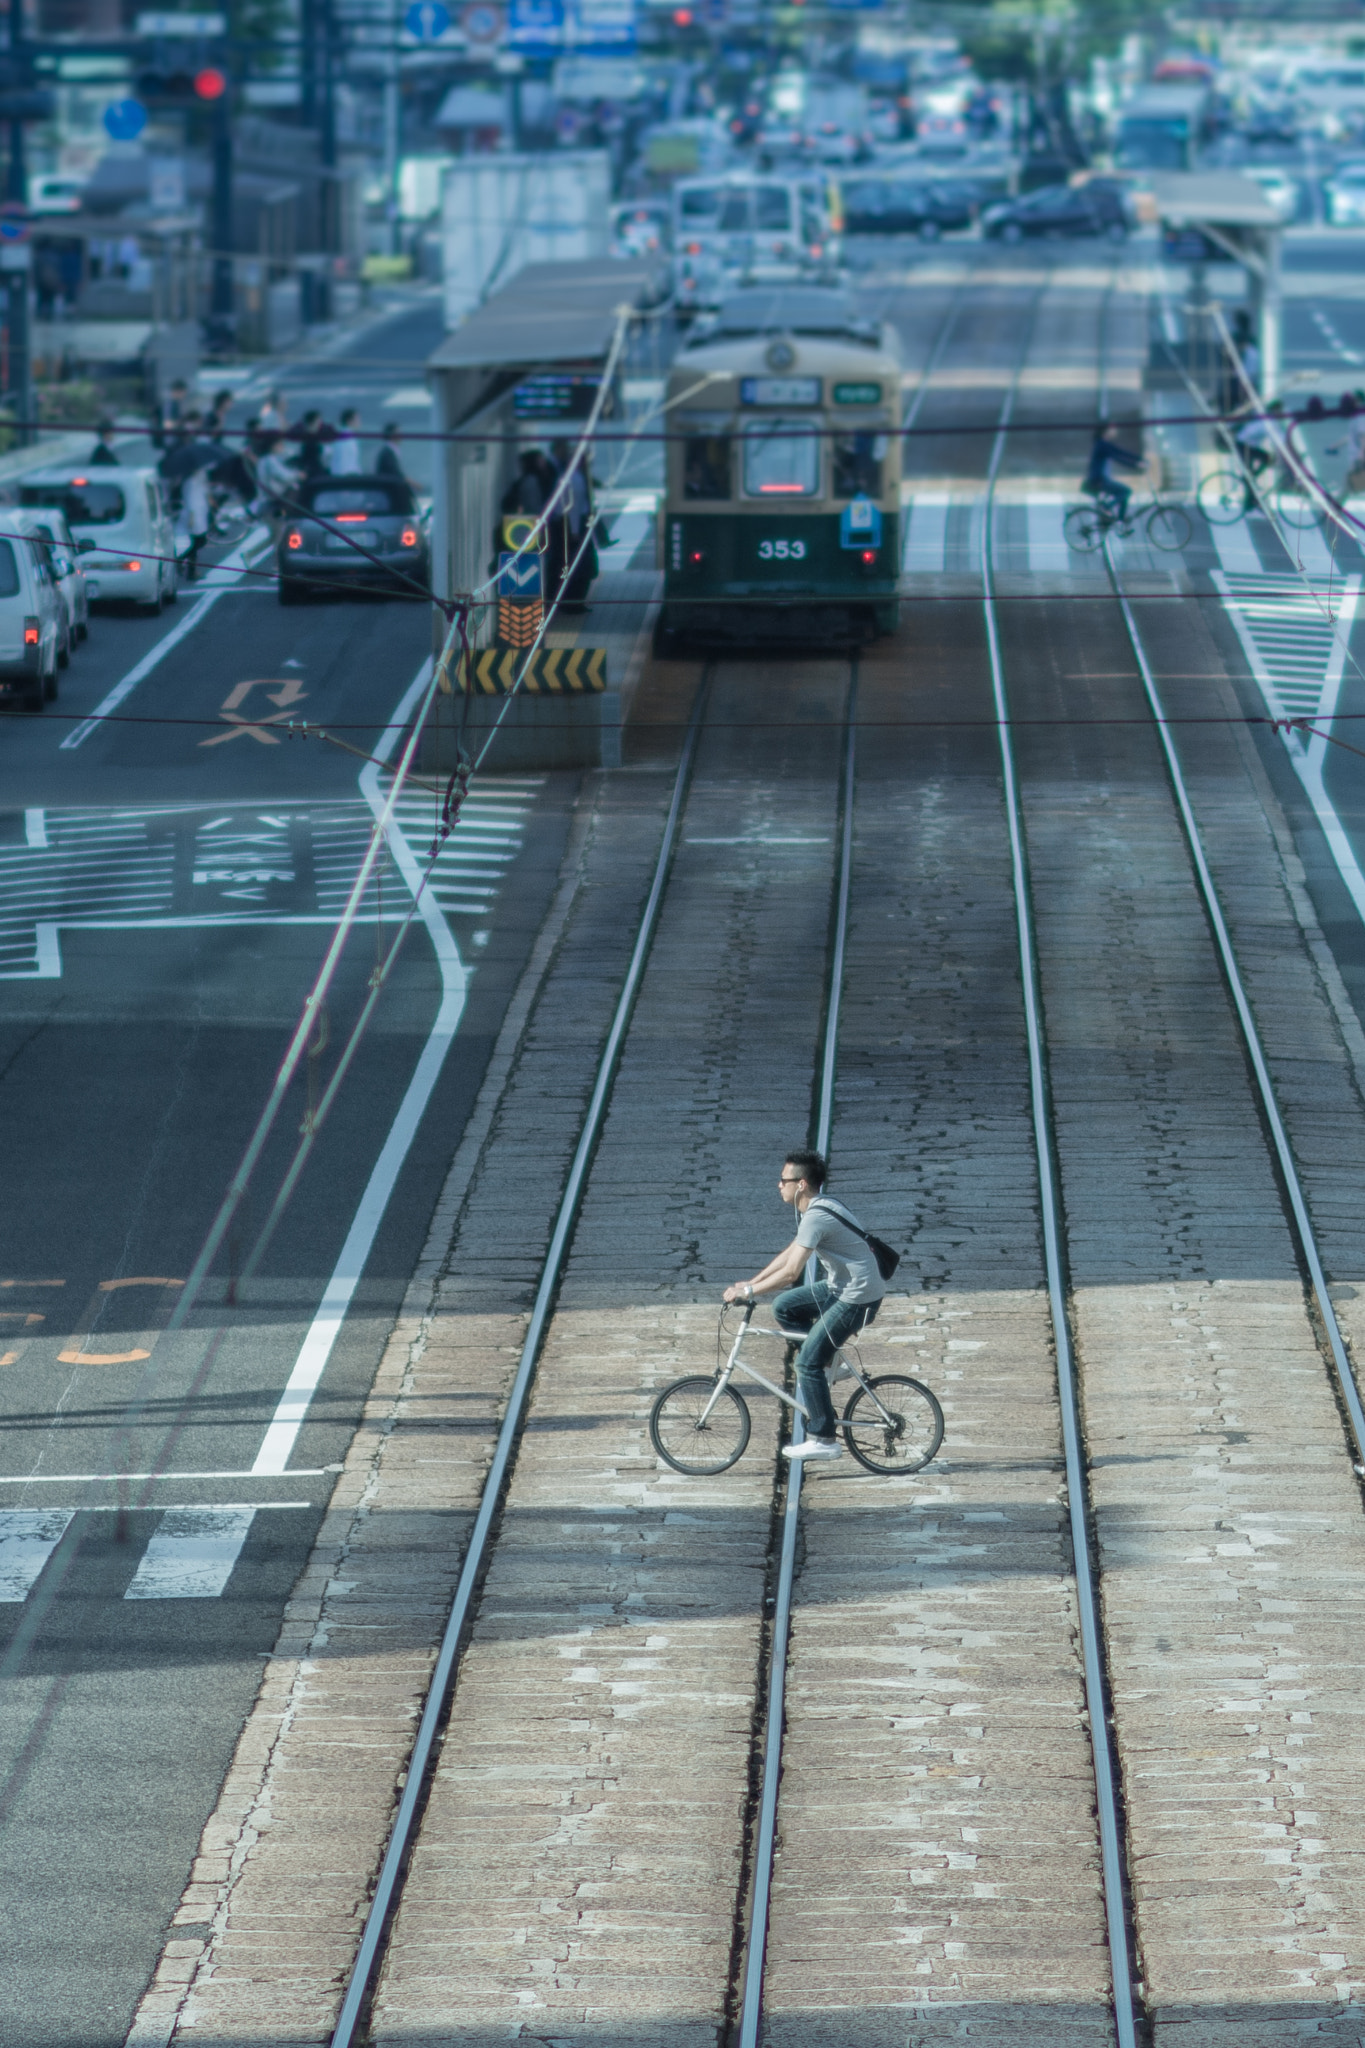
427 20
125 119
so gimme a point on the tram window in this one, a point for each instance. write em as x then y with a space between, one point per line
700 202
706 466
772 209
734 214
782 458
858 465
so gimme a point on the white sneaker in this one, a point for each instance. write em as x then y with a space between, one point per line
815 1449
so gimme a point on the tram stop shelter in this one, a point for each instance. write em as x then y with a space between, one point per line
524 370
1222 217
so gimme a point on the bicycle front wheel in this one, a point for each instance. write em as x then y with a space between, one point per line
1084 529
1223 497
690 1443
1295 508
1168 527
899 1430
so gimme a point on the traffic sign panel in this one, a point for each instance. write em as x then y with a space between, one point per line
125 120
15 225
481 21
427 20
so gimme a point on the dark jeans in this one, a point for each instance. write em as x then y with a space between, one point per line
830 1322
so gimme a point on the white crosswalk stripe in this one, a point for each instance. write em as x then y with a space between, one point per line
191 1554
1295 635
28 1537
181 867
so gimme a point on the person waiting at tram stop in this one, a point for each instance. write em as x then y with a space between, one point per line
1107 458
845 1299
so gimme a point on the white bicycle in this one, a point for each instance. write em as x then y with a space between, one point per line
700 1424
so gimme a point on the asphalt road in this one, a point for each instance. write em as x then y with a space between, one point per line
168 886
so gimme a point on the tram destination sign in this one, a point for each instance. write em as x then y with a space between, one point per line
779 390
552 395
857 394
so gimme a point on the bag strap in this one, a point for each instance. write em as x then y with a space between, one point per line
838 1209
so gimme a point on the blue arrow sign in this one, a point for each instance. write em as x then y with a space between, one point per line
125 120
426 21
519 576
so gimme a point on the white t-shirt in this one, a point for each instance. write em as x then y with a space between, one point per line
845 1258
342 456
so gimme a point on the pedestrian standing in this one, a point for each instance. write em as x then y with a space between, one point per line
274 417
580 550
388 462
343 454
827 1314
102 455
194 498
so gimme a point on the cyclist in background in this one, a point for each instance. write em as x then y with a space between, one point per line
844 1299
1102 483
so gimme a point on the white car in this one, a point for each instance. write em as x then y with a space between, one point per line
1279 188
1344 194
122 525
48 526
32 624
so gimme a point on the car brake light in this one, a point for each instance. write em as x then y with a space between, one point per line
295 539
30 632
132 565
80 482
352 518
409 536
693 249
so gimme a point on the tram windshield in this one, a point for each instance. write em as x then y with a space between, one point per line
782 458
706 466
858 465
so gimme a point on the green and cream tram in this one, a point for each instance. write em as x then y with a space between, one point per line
781 517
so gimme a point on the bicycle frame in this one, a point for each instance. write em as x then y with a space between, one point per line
734 1363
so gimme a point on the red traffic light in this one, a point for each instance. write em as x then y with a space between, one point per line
210 83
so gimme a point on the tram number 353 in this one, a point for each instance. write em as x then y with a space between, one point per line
782 551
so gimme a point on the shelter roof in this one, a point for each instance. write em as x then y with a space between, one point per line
548 313
1224 199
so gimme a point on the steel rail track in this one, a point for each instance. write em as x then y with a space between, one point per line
1295 1200
392 1870
1112 1857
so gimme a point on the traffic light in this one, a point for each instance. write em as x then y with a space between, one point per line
180 88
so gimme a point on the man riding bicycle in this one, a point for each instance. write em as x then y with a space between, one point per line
1101 481
844 1300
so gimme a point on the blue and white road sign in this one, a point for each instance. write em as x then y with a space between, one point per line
426 21
15 225
519 576
535 25
860 525
125 120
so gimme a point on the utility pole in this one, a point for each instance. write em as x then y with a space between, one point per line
16 258
224 297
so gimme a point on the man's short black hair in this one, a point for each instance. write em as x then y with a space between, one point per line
810 1165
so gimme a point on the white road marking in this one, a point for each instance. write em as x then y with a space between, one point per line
926 534
1296 650
1236 548
191 1554
1048 553
28 1537
171 1478
35 828
325 1328
222 577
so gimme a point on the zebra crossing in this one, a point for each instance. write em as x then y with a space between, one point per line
190 1554
183 867
1294 622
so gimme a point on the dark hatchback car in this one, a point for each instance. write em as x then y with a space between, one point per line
1095 208
366 535
904 206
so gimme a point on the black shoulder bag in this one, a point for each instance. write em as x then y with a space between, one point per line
887 1259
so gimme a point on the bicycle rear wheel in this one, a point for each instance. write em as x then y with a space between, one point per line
1294 507
1223 497
689 1444
1168 527
1084 529
904 1437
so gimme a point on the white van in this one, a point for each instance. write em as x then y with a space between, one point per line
32 624
49 526
122 527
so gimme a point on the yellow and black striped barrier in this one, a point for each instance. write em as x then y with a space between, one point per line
551 672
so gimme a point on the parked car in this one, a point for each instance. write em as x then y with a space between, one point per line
1344 194
1279 188
49 527
904 206
377 512
1095 208
122 528
32 623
